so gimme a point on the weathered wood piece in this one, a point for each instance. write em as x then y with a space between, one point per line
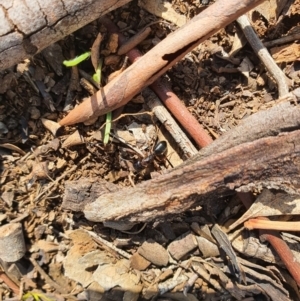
159 59
29 26
84 191
12 243
271 162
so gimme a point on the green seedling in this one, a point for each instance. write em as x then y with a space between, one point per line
107 128
97 74
97 79
77 60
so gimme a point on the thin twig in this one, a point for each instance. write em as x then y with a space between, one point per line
283 251
254 223
109 244
48 190
283 40
9 283
264 55
170 124
46 277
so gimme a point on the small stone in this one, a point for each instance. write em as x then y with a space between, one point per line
122 25
3 128
12 123
154 252
138 262
34 113
112 60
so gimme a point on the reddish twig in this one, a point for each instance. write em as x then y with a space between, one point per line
10 283
283 252
279 245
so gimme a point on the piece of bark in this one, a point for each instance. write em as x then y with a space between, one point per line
154 252
138 262
159 59
81 192
182 246
242 168
12 244
27 27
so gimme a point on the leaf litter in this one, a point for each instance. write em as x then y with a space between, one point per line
58 240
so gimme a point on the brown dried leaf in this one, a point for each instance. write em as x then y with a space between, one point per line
270 9
286 53
95 51
112 275
270 204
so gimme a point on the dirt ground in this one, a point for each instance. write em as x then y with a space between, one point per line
220 82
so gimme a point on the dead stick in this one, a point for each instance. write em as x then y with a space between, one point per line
46 277
264 55
9 283
255 223
184 187
283 40
283 252
159 59
134 41
171 126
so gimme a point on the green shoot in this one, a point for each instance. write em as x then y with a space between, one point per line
97 74
107 128
77 60
97 79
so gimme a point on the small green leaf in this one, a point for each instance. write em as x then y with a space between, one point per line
77 60
97 75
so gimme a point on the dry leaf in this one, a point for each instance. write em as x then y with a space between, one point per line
286 53
95 51
270 9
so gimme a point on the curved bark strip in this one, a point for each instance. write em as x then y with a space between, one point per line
29 26
271 162
159 59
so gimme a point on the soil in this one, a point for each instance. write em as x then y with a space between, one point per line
220 90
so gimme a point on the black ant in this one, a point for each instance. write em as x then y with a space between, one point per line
159 152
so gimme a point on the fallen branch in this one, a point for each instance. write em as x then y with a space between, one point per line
204 180
27 27
159 59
